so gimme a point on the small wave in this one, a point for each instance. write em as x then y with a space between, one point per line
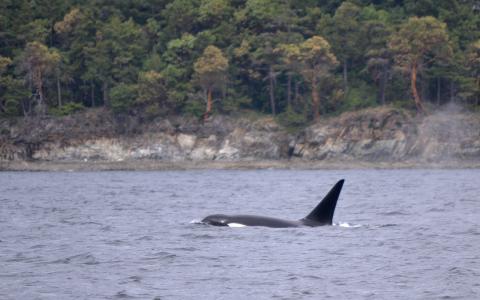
123 295
115 242
198 236
346 225
436 209
196 221
162 255
85 258
20 257
188 249
387 225
395 213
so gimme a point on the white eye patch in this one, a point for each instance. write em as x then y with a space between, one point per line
235 225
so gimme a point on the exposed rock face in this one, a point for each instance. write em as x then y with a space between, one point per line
70 139
384 134
380 134
377 134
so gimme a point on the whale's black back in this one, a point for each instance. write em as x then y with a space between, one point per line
323 213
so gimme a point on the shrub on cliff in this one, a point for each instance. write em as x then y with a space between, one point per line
66 109
292 119
123 96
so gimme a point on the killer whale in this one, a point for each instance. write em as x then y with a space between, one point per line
321 215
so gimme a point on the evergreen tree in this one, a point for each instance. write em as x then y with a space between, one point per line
37 63
210 70
316 60
418 42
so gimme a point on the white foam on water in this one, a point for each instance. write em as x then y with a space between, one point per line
347 225
236 225
196 221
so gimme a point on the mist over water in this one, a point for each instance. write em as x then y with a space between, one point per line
399 234
448 134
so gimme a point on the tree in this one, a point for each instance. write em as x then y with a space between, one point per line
76 34
38 62
289 65
213 11
176 65
264 57
4 63
473 61
117 54
180 16
344 32
289 56
123 97
265 15
210 70
315 60
379 57
264 25
419 42
152 93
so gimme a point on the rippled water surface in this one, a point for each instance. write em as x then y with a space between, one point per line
401 234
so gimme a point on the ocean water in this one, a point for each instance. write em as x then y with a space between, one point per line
398 234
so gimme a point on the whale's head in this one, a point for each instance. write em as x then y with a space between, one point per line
217 220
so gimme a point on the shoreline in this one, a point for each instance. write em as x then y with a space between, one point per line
158 165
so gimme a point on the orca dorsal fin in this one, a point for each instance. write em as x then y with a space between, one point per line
323 213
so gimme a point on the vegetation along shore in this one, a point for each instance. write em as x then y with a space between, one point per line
257 83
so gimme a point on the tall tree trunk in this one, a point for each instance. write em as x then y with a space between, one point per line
106 99
439 84
272 90
59 91
289 90
41 101
208 111
224 87
424 84
92 93
478 91
315 99
297 92
452 92
345 76
382 86
416 97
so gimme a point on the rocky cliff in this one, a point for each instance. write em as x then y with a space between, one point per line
385 134
376 135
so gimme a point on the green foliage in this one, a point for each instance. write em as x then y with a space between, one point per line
212 11
152 94
210 68
35 31
194 107
418 43
271 54
419 38
234 103
37 63
66 109
4 63
122 97
292 119
360 95
12 94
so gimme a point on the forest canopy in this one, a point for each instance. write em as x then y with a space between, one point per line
297 60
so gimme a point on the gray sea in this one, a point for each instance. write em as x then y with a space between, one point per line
398 234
